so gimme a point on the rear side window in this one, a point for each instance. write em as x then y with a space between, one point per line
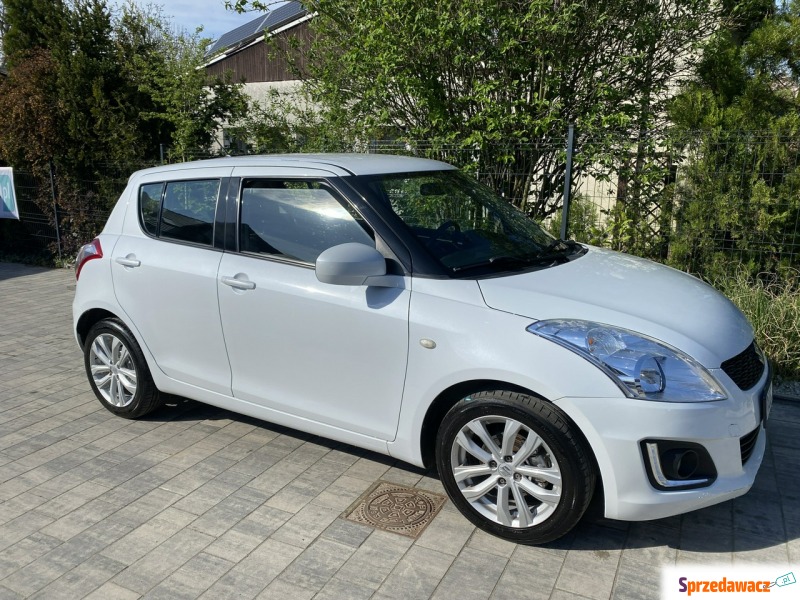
296 219
180 210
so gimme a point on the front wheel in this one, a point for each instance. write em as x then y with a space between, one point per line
118 372
514 466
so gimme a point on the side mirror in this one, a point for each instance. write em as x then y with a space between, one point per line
349 264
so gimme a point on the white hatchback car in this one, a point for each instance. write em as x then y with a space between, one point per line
395 304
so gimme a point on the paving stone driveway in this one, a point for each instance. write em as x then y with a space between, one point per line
199 502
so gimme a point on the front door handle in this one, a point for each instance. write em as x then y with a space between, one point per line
239 284
128 261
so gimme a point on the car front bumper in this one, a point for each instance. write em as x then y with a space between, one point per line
615 429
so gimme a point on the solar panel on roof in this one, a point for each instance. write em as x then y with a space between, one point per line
242 32
264 23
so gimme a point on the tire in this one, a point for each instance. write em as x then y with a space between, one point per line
498 450
118 372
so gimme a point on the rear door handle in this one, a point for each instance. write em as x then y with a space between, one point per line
239 284
128 261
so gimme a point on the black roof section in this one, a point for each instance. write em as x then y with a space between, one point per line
246 33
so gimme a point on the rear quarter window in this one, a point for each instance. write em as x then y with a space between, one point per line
150 206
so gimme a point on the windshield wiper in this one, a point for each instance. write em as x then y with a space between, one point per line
557 250
508 261
559 246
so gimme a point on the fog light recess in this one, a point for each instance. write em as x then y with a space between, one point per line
673 465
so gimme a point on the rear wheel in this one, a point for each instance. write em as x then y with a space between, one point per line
514 466
118 372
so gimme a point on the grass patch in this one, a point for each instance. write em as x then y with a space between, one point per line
773 308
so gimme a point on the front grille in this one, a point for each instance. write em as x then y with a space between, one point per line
747 443
746 368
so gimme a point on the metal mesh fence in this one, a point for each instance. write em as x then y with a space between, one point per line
57 216
700 201
35 231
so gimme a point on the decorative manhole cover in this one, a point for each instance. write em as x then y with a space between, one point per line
397 508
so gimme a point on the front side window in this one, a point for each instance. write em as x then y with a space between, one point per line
296 219
180 210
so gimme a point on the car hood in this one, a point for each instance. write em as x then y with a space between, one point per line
629 292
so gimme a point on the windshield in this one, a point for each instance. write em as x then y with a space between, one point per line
463 224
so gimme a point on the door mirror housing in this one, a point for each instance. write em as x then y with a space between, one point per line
349 264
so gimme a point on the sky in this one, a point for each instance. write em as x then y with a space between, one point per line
190 14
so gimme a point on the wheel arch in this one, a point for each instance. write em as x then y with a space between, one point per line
144 395
446 400
88 319
450 396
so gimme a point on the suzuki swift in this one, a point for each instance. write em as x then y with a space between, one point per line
397 305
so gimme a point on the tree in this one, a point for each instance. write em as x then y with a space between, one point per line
183 101
79 39
490 76
31 24
3 32
96 93
90 96
124 84
740 194
288 121
139 34
31 112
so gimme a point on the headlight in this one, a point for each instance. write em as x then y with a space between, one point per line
639 365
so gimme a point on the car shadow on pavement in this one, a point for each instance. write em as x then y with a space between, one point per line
177 408
760 523
10 270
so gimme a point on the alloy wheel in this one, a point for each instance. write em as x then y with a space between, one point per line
113 370
506 471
